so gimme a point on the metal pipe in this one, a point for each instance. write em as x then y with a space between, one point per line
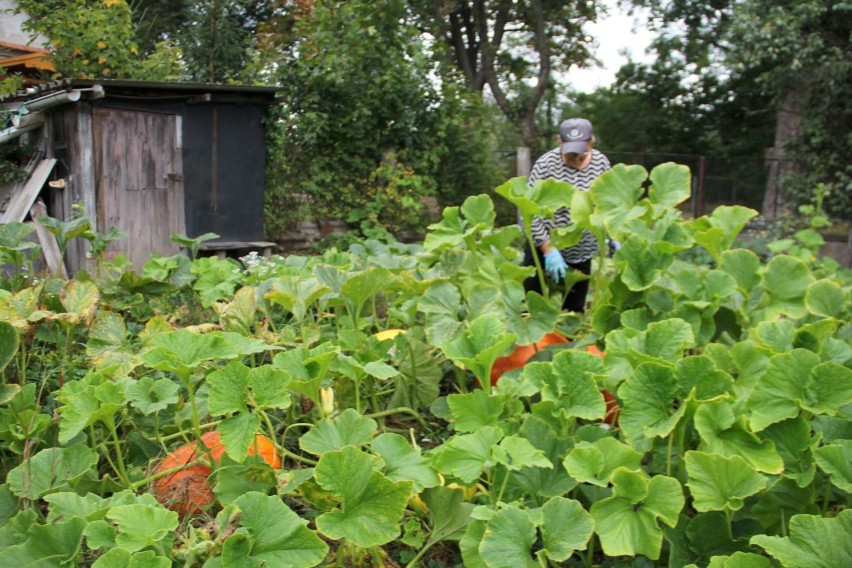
52 100
13 132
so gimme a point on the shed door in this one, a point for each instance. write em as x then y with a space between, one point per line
140 181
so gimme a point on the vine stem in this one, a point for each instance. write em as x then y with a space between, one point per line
398 410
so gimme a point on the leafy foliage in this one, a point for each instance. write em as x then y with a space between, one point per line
368 370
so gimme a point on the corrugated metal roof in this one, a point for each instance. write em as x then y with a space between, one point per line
141 88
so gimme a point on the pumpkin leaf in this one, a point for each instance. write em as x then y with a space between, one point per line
508 539
465 455
836 460
719 483
141 525
595 462
478 347
568 381
371 505
9 342
814 542
404 462
649 404
331 434
271 534
471 411
51 469
565 527
627 522
46 546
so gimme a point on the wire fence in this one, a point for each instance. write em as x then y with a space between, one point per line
716 180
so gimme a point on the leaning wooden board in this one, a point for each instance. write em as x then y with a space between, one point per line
23 200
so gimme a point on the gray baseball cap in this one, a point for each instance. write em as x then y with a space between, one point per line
574 134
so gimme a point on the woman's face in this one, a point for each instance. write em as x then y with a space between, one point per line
578 161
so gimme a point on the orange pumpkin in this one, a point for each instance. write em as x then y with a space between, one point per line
522 353
613 411
188 491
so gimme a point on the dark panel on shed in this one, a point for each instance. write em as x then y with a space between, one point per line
224 170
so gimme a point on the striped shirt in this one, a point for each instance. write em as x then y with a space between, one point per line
550 165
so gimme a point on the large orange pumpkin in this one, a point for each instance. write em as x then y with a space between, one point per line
188 490
522 353
612 409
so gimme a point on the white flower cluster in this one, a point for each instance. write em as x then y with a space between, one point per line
257 267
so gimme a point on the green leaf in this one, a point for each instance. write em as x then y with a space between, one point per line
140 526
595 462
781 389
121 558
785 283
544 482
718 483
150 396
109 345
275 535
616 193
465 456
238 434
229 389
330 434
473 410
9 342
836 460
826 298
744 266
700 373
717 232
296 294
649 408
793 442
508 539
478 347
829 388
814 542
181 350
779 503
726 434
47 546
362 286
87 401
710 535
404 462
516 453
80 298
306 368
670 184
740 560
50 470
641 262
627 523
448 512
565 527
371 505
569 382
441 304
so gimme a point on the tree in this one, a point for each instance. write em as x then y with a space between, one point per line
365 132
791 57
512 47
95 39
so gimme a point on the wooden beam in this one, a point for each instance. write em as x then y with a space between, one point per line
49 246
23 200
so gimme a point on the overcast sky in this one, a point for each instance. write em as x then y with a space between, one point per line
616 33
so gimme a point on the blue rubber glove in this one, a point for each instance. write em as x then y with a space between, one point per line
614 246
555 265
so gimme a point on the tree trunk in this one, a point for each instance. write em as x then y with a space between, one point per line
781 160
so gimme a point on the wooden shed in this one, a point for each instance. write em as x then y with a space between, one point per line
150 159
